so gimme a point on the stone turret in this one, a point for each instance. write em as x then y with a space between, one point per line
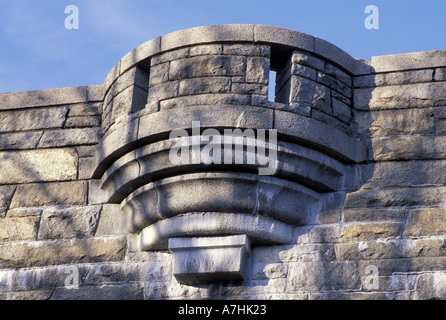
218 77
190 174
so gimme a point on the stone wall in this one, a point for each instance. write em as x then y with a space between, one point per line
92 208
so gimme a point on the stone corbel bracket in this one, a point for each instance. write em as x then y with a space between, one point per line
218 75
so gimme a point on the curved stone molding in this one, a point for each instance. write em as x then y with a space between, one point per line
218 192
260 230
295 163
218 77
134 131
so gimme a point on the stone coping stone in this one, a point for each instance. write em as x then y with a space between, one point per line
409 61
50 97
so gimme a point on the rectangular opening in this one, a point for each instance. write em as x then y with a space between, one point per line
272 86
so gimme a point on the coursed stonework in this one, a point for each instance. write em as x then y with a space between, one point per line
354 209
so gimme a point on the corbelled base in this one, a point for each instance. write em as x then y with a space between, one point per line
207 259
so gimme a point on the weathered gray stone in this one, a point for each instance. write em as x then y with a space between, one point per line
308 60
206 50
307 253
85 109
330 121
406 265
264 33
83 122
50 252
247 50
95 93
116 141
404 174
391 248
32 119
395 122
426 222
309 93
341 110
207 66
163 91
396 197
70 137
319 134
206 99
431 286
334 84
335 54
50 193
19 140
159 74
39 98
209 116
32 166
323 276
303 71
407 77
399 97
256 227
206 34
169 56
375 214
380 173
440 74
407 148
74 222
6 193
257 70
133 77
206 259
409 61
337 73
18 228
111 221
140 53
394 78
369 231
204 85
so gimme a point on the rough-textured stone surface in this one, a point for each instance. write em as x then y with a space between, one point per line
38 98
69 223
32 119
353 210
427 222
33 166
50 193
50 252
401 96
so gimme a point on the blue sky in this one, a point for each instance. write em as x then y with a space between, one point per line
38 52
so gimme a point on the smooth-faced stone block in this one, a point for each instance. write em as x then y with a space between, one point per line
259 229
39 98
33 165
409 61
207 34
208 259
271 34
331 140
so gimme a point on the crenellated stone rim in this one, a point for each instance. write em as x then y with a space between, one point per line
219 76
279 38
